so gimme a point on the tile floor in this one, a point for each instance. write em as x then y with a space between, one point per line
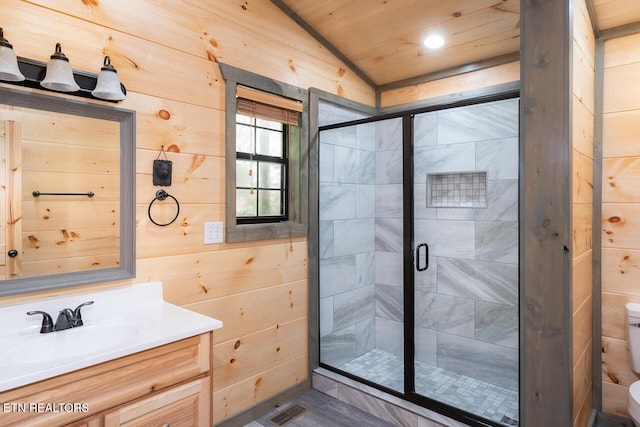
322 410
325 411
612 420
486 400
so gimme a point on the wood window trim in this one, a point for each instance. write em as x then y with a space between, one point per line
297 225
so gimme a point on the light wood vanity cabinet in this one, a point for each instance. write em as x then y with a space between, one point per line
180 406
167 385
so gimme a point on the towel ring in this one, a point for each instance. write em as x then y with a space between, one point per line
161 195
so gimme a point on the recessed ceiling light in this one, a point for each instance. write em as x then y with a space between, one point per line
434 41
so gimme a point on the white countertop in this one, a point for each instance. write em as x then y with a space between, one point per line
121 321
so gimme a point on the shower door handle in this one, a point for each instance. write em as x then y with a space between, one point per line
426 247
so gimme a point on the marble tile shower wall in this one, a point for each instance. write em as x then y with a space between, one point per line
347 226
329 114
388 237
467 303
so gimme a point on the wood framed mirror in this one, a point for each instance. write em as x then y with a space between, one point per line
67 186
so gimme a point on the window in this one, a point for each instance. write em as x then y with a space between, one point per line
261 170
266 157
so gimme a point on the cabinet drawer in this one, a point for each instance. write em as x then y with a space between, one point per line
88 422
110 384
181 406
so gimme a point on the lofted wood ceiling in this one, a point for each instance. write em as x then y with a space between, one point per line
382 39
616 13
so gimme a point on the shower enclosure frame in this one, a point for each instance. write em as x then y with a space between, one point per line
471 98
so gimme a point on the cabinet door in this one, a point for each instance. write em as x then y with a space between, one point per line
181 406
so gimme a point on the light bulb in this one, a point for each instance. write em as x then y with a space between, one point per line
434 41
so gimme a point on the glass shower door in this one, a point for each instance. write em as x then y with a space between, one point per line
418 257
361 251
465 269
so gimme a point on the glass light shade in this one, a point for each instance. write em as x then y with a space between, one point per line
9 70
59 75
108 85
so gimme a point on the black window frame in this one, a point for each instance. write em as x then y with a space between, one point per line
284 188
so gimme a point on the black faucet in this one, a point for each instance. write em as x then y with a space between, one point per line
67 319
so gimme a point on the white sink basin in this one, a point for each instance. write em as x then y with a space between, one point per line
122 321
35 348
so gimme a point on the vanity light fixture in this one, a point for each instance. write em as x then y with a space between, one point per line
9 70
434 41
59 75
108 86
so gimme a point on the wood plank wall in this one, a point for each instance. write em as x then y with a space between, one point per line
582 211
492 76
166 53
620 213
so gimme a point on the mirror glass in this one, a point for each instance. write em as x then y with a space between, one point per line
64 219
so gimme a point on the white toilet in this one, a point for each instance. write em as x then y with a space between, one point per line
633 329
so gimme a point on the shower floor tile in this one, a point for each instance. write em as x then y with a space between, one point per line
484 399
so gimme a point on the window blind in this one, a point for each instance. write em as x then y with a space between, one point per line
267 106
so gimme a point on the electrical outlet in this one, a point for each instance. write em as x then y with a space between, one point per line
213 232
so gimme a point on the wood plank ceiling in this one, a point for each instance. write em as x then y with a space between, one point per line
616 13
383 39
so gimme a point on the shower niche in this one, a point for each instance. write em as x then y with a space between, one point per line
457 190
